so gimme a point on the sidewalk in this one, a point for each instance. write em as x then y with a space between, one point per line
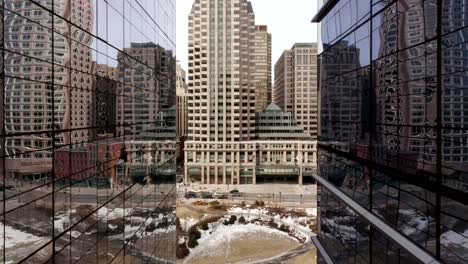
250 188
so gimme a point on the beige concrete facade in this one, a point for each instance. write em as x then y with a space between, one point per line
296 85
221 83
247 162
262 60
221 80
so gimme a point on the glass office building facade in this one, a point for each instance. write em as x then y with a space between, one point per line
86 87
393 149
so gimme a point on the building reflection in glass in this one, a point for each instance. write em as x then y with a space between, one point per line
84 177
393 131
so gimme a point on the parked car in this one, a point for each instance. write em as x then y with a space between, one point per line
238 194
234 191
190 195
263 195
220 195
8 187
206 195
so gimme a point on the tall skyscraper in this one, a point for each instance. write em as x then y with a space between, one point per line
393 141
221 84
262 60
221 80
296 85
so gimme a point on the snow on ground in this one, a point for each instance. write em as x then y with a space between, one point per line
115 213
215 238
186 223
451 238
414 222
15 238
285 217
311 211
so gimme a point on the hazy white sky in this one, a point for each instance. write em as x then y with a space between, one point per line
287 20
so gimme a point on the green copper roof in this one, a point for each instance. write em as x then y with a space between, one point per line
272 107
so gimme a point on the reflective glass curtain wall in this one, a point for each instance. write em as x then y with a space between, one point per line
87 150
394 128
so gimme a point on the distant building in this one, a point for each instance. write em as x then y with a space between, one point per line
146 92
262 60
181 103
105 99
296 85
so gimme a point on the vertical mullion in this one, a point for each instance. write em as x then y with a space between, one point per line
439 129
53 128
371 127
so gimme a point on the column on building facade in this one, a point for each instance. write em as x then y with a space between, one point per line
224 173
269 154
202 174
208 174
300 175
238 168
186 168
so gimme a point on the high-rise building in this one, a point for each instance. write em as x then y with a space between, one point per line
262 60
32 104
72 187
221 83
104 115
296 85
139 104
393 155
181 102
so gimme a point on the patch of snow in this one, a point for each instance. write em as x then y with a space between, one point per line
15 238
75 234
222 234
311 211
61 222
186 223
414 222
451 238
113 214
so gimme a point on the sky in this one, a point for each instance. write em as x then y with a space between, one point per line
288 21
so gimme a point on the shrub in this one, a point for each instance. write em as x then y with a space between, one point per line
204 226
182 251
284 228
192 243
259 203
214 203
232 219
272 224
241 220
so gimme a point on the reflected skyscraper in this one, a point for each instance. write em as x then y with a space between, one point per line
392 167
32 104
75 186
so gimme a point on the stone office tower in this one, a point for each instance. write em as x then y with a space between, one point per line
296 85
221 82
262 58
